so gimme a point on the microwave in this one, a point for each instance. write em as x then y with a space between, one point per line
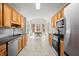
60 23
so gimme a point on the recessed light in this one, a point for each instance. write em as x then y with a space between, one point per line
37 5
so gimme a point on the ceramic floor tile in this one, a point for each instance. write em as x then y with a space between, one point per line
37 47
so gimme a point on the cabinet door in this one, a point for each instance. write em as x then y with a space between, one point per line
50 40
23 41
3 52
22 21
18 18
53 22
7 15
59 14
0 15
62 13
61 48
14 18
3 46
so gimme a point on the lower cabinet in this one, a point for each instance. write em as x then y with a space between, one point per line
61 48
3 50
50 39
21 43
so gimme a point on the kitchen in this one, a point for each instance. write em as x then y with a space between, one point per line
13 37
59 31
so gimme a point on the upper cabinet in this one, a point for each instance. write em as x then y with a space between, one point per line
14 16
0 15
22 21
9 17
59 14
18 19
5 15
57 17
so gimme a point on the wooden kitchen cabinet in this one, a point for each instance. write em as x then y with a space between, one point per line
25 40
5 15
62 13
14 16
22 21
3 50
53 22
61 48
0 15
9 17
56 18
18 19
59 16
50 39
22 42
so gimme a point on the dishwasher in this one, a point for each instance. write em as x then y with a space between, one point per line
13 47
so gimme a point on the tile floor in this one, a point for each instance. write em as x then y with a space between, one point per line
37 47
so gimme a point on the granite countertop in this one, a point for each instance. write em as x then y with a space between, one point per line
9 38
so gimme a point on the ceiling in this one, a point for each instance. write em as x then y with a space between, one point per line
29 11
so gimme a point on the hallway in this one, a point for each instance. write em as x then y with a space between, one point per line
37 47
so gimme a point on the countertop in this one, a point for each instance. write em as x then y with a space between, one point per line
61 35
9 38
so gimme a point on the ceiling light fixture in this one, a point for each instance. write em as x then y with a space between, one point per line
37 5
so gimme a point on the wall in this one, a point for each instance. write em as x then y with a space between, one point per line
5 32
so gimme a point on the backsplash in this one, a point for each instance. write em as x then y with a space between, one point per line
6 32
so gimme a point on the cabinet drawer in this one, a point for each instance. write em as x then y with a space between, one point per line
3 52
3 46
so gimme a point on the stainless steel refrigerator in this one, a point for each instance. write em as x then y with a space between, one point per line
71 41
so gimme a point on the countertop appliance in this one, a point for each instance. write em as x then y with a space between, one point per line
60 22
71 40
13 47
